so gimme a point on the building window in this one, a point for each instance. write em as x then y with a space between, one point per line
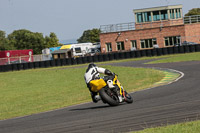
120 46
133 45
156 16
172 40
78 50
147 16
172 14
108 47
148 43
139 17
164 15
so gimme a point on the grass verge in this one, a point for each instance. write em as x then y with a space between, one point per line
187 127
33 91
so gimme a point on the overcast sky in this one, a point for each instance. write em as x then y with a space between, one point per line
69 18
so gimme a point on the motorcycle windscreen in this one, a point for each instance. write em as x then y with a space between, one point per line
96 85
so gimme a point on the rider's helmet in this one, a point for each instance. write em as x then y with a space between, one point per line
91 65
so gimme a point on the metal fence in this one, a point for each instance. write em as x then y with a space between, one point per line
131 25
25 59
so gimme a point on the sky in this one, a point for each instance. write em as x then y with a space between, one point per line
68 19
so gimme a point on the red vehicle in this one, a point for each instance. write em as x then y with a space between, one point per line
16 56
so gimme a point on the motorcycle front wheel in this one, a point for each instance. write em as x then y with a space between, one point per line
128 98
108 97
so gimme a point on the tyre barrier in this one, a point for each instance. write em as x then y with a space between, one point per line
89 59
47 63
25 66
52 63
137 53
143 53
79 60
148 53
164 51
127 55
111 56
186 49
133 54
95 58
105 57
170 50
197 48
116 56
175 50
73 61
180 49
159 51
41 64
191 48
121 55
101 57
154 52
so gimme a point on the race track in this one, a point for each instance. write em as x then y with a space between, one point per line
168 104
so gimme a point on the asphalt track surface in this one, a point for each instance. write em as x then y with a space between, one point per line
168 104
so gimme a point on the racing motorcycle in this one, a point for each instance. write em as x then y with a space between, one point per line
110 90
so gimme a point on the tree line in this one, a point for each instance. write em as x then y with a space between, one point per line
25 39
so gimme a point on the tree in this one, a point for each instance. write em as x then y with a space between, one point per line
52 40
90 36
194 11
25 39
4 43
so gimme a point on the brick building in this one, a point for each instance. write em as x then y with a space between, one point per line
154 27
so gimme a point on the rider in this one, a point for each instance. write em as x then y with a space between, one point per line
92 73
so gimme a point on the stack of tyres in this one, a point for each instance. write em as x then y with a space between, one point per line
192 48
73 61
154 52
68 61
181 49
133 54
95 58
30 65
143 53
197 47
148 53
79 60
175 50
100 57
25 66
41 64
159 51
84 59
121 55
164 51
105 57
58 63
127 55
170 50
138 54
186 49
89 59
52 63
116 56
47 63
111 56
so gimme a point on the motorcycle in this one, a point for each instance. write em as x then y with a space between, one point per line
110 90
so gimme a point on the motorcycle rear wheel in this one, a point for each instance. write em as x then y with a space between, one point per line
112 101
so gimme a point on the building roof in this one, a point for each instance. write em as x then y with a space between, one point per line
61 51
157 8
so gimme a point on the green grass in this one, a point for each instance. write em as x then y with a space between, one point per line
187 127
179 58
33 91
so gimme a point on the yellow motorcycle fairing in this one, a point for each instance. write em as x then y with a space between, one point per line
97 84
116 82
